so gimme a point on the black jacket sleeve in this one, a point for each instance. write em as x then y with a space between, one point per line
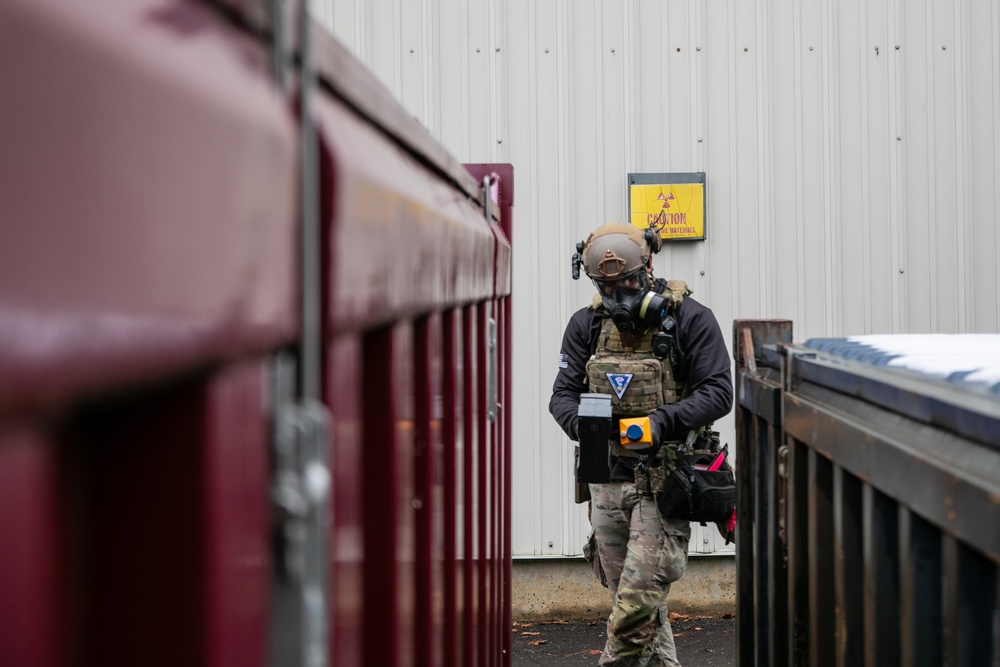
571 380
709 379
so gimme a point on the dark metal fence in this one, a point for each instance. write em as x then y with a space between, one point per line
869 509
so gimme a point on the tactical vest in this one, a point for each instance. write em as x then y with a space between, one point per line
637 380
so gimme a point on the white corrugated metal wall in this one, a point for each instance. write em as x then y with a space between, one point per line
852 151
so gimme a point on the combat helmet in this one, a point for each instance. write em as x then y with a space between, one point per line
617 251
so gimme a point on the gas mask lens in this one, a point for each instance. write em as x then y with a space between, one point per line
633 284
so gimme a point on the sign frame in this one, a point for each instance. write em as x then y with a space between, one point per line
668 180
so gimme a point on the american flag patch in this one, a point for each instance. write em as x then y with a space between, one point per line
562 362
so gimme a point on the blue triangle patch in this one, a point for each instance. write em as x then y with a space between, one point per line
619 382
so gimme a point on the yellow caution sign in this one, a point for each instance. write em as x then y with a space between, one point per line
675 210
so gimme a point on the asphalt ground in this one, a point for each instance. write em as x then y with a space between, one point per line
701 642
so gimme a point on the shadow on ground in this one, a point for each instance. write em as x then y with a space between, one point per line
701 642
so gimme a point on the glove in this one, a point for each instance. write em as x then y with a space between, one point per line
654 430
574 429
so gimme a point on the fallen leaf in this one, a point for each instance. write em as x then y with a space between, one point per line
594 652
531 634
728 616
539 642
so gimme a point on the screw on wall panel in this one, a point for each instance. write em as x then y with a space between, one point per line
897 47
876 50
705 541
477 50
697 48
417 503
550 545
810 48
499 141
678 49
612 50
411 50
699 140
498 49
702 273
546 50
899 138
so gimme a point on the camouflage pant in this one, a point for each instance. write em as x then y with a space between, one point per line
641 554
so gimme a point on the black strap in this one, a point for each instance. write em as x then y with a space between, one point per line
651 456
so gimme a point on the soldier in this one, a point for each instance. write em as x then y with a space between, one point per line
668 362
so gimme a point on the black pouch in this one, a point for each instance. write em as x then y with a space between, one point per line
699 495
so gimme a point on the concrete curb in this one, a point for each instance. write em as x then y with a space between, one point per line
565 588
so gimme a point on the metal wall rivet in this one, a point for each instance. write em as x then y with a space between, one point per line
678 49
498 49
612 50
944 48
699 140
897 47
697 48
702 273
411 50
477 50
745 49
546 50
499 141
901 270
550 545
810 48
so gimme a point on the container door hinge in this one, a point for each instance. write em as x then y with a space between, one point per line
492 405
300 498
784 469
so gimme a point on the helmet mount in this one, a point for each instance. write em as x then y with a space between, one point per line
611 265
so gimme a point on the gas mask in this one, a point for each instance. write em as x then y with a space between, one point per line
632 309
